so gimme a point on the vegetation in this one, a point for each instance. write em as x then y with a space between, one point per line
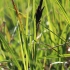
24 46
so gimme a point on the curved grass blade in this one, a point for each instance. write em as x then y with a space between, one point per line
10 50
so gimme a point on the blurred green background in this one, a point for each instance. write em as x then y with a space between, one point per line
21 48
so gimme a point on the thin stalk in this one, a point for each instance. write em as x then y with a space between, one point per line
20 32
26 40
34 45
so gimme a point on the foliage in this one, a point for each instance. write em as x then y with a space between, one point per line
21 48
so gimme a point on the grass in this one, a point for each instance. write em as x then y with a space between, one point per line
21 48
